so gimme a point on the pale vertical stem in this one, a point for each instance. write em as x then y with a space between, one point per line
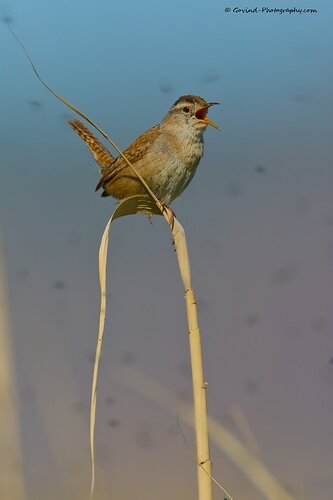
11 477
204 467
142 204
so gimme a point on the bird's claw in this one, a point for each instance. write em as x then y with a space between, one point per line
170 216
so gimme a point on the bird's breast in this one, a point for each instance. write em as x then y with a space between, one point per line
175 166
184 148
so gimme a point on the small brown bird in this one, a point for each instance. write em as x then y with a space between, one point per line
166 156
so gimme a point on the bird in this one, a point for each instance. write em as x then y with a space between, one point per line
166 156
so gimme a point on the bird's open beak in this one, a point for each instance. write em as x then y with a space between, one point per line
201 115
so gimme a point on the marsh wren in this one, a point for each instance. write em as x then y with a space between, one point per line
166 155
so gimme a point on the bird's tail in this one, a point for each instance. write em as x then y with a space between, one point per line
101 154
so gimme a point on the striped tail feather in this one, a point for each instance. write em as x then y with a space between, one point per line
101 154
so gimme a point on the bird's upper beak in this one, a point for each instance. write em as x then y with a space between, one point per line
201 115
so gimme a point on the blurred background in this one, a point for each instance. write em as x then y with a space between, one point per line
259 222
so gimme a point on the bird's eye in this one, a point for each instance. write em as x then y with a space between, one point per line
186 109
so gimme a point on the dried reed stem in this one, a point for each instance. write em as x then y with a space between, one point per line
204 467
204 464
145 205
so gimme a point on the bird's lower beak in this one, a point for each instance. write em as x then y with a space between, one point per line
201 115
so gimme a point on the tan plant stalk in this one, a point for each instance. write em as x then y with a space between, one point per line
204 465
145 205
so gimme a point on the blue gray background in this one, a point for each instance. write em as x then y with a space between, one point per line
259 221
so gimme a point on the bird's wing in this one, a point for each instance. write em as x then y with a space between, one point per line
101 154
134 152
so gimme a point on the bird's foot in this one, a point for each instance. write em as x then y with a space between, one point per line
170 215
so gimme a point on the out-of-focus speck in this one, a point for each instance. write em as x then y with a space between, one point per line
251 386
211 77
293 331
23 275
7 19
64 117
144 435
184 369
260 169
80 407
304 97
227 420
35 104
310 48
102 454
285 274
59 285
166 88
326 371
251 320
234 189
74 239
328 220
91 359
330 252
302 205
110 401
113 423
184 395
128 358
173 431
211 248
202 304
27 394
299 97
320 324
294 491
